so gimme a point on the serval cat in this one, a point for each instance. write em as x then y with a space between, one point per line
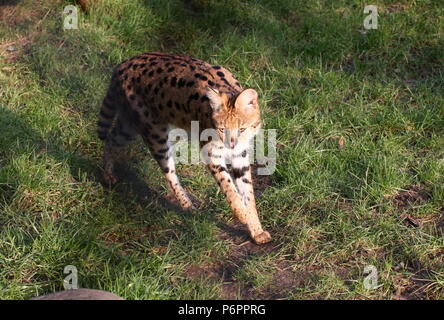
152 93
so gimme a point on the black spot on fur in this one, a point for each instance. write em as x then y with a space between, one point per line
181 83
239 172
225 81
194 96
158 157
163 150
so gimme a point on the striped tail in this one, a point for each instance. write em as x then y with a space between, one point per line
107 115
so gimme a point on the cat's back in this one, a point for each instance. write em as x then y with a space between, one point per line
172 71
171 86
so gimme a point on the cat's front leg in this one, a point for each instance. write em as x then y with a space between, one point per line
245 211
241 173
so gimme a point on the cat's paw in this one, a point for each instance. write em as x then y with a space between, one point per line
262 237
185 204
189 207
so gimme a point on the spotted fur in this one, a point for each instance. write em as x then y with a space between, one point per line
154 92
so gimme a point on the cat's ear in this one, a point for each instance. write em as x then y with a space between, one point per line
247 100
215 98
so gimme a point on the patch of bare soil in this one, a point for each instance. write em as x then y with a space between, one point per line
13 15
396 7
12 50
283 279
410 196
417 285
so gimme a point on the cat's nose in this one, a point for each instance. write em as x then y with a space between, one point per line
232 142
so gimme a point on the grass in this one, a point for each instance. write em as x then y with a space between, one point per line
360 169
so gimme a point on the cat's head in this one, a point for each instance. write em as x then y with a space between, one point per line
236 118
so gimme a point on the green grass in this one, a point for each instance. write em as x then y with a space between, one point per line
331 210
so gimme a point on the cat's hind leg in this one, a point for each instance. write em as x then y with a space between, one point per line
163 151
118 138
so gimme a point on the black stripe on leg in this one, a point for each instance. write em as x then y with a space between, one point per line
239 172
163 150
158 157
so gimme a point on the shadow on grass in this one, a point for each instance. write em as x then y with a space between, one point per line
9 2
293 31
130 185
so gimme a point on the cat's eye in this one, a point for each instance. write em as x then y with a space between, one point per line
221 130
242 129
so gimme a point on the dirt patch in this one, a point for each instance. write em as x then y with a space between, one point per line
411 195
407 198
13 14
396 7
281 281
415 286
12 50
